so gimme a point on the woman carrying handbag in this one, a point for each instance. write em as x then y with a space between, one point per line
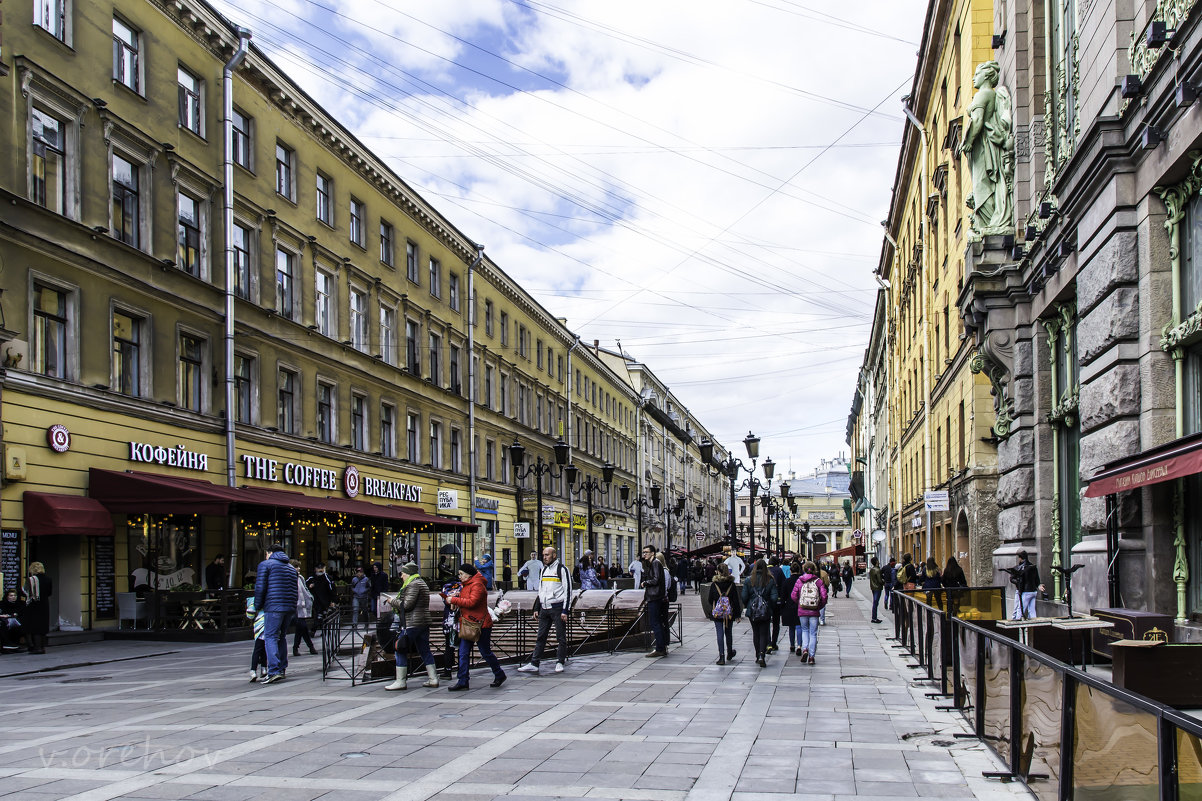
475 626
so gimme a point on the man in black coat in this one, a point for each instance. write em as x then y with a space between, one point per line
322 587
215 573
778 577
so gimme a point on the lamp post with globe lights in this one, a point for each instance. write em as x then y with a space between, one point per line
588 487
517 457
638 504
731 468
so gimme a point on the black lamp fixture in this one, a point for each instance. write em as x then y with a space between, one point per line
588 487
654 492
1158 34
1130 86
570 474
517 458
1150 137
999 40
784 490
752 443
1185 94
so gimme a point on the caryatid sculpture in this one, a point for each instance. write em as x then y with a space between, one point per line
989 145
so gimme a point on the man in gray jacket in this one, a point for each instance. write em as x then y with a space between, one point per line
554 597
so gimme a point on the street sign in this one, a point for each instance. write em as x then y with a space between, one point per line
700 537
937 501
521 530
857 534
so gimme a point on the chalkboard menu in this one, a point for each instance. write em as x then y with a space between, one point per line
106 588
10 558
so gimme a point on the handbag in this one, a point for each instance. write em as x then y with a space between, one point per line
469 630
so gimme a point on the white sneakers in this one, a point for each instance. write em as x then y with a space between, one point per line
528 668
559 667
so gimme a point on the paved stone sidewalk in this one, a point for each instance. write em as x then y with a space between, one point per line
181 721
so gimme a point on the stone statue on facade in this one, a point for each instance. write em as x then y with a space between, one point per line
989 145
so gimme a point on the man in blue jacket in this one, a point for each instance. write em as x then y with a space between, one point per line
276 596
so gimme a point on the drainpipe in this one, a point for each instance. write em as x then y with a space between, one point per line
471 393
227 91
570 385
926 319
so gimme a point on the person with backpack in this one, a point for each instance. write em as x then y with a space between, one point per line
554 601
810 595
788 611
759 597
905 576
876 583
725 609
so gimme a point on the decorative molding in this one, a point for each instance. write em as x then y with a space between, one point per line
995 358
1174 338
1057 548
1065 412
1143 58
1175 334
1181 556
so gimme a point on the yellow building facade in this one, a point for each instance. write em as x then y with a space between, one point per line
939 410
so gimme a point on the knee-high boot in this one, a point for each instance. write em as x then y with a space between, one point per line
402 678
431 676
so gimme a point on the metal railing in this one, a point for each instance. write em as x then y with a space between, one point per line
1065 733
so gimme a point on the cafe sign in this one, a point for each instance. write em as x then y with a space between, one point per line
351 482
179 456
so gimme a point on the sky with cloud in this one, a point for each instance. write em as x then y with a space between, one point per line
700 181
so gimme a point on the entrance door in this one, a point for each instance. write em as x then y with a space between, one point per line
63 557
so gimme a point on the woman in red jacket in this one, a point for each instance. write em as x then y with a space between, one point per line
472 604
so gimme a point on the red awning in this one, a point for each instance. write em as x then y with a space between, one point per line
150 493
47 513
1176 459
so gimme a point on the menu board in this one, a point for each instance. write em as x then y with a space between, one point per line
106 588
10 558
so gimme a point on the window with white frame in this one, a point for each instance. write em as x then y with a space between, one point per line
436 445
323 302
54 17
325 412
387 244
126 201
325 199
191 106
285 283
242 240
48 157
412 440
387 431
52 330
285 171
359 422
241 140
358 219
127 55
411 271
453 291
435 278
358 319
128 334
286 395
191 372
244 391
188 234
503 394
435 374
388 332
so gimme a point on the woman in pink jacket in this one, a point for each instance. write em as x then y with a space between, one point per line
809 593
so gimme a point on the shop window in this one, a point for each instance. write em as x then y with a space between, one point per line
325 413
164 550
127 333
191 372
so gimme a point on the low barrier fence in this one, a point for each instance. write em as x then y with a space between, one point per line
1067 734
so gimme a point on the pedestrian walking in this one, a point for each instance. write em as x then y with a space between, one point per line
411 606
876 584
324 598
475 626
486 567
826 582
953 580
258 654
635 569
360 597
531 571
788 611
656 600
551 608
588 573
759 596
849 575
275 595
778 575
725 608
888 573
810 595
1025 577
304 611
37 589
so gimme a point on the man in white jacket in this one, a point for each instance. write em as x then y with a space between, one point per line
554 597
530 571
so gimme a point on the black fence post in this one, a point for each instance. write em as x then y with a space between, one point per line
1169 777
1068 722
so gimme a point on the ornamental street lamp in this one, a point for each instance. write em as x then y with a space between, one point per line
680 513
588 487
517 456
638 504
731 468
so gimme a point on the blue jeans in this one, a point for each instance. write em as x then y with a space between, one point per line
655 612
725 629
876 600
357 604
465 656
419 640
809 634
275 637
